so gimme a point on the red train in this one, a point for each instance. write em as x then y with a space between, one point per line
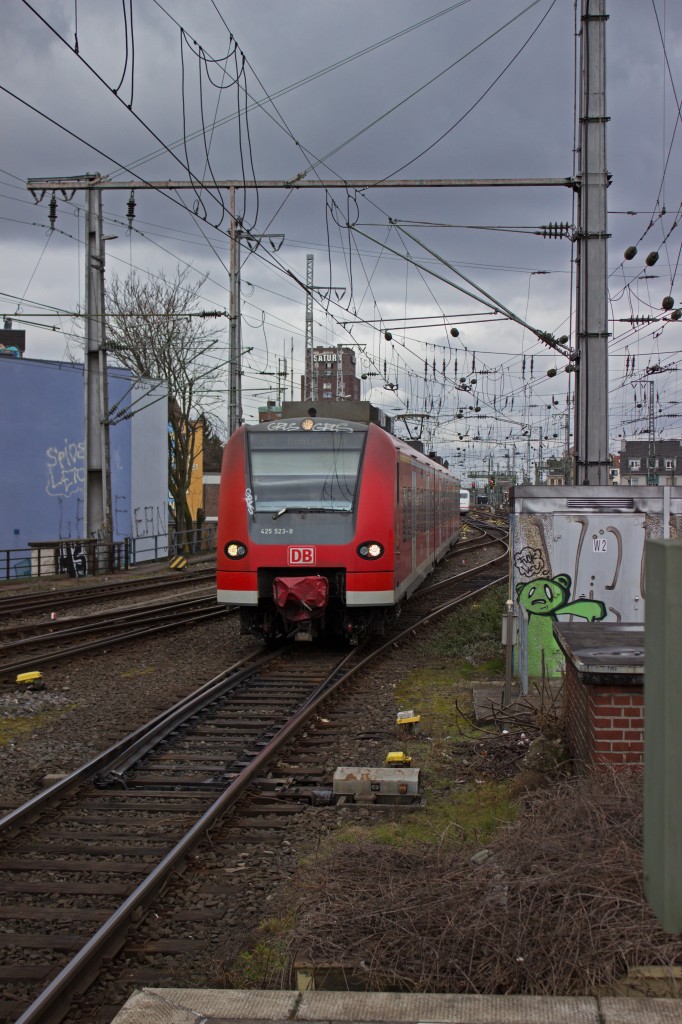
327 522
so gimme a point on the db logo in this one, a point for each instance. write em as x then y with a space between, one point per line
301 556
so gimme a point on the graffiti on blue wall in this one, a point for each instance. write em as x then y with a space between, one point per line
65 469
71 560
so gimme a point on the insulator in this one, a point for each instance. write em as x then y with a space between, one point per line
668 302
477 408
563 340
651 259
552 371
454 332
630 252
388 336
52 215
131 210
676 314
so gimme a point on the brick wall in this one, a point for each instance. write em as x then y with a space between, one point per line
604 720
211 494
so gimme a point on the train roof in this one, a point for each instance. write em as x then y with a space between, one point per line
294 414
352 411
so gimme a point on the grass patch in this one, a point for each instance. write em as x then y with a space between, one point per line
472 634
438 695
469 814
261 964
12 729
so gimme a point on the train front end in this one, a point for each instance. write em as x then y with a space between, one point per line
305 527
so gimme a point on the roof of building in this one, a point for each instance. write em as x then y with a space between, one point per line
635 449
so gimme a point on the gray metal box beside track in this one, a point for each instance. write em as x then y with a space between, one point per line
383 782
578 555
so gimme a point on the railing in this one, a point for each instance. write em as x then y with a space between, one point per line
192 542
175 542
73 558
91 557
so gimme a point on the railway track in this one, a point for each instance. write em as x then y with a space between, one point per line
167 796
13 605
83 861
30 647
27 647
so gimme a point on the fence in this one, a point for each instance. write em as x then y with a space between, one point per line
77 558
73 558
175 542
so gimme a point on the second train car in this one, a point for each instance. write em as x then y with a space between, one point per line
327 522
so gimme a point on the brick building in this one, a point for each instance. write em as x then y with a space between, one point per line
325 374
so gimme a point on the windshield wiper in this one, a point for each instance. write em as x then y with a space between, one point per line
307 508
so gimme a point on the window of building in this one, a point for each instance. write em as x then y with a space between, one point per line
634 463
669 463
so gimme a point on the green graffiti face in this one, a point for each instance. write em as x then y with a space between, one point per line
543 596
544 600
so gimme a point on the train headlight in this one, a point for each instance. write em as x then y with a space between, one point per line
235 549
371 549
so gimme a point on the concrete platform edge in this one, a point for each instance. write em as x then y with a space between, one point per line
246 1006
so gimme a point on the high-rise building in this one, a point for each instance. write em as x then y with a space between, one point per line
325 382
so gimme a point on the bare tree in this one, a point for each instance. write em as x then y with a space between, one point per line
155 329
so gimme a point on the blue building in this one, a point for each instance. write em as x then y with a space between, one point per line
42 468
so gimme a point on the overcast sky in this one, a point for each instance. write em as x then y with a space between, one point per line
364 89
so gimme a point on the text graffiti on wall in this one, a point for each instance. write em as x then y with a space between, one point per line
66 469
530 562
72 560
150 520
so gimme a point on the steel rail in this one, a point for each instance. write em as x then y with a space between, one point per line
193 702
78 625
29 662
52 1003
16 603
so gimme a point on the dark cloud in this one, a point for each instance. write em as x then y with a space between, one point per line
521 126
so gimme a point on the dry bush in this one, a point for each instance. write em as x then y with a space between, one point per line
558 907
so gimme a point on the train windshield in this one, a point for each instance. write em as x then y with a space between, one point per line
293 470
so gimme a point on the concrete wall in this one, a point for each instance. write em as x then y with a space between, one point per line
42 470
149 470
